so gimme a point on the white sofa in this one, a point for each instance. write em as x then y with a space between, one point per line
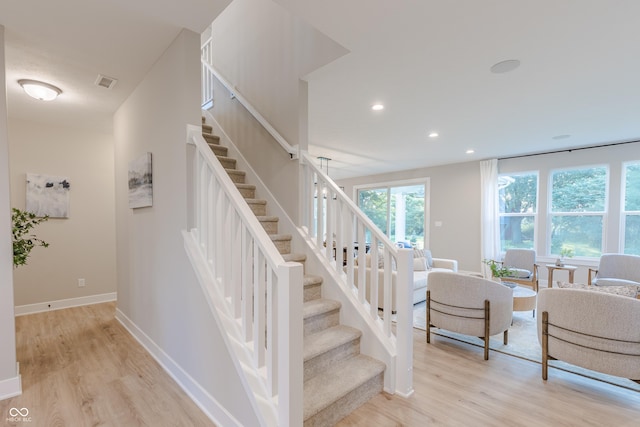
420 278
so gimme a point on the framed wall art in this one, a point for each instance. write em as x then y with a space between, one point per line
48 195
141 182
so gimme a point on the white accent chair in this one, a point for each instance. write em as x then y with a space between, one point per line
616 270
522 264
594 330
469 305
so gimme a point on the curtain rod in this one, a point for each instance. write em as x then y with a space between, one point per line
569 150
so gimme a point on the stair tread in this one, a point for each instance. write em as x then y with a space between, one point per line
295 257
319 306
267 218
235 171
246 187
344 377
312 279
226 158
257 201
328 339
280 237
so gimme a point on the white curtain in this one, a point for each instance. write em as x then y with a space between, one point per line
490 226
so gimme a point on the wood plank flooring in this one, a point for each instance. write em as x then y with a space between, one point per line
454 386
80 367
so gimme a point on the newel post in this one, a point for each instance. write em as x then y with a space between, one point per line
290 336
404 327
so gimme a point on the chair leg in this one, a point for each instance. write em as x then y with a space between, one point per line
545 344
505 337
486 329
428 317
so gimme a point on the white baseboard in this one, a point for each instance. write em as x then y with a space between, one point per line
209 405
12 386
21 310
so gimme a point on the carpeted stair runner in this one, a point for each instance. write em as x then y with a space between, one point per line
337 378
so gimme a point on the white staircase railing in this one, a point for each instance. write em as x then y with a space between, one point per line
344 235
256 296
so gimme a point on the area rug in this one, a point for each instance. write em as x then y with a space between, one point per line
523 343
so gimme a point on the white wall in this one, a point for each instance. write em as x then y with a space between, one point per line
8 374
263 51
83 245
157 289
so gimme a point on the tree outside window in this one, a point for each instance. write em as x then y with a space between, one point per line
631 209
517 195
578 200
398 211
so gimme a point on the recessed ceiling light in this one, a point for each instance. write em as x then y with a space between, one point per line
470 151
39 90
561 136
433 135
377 107
505 66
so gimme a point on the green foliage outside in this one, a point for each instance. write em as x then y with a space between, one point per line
518 197
23 240
578 203
375 203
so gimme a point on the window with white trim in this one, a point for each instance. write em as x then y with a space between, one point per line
630 220
577 210
518 206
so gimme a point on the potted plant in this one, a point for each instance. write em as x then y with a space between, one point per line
23 242
498 269
565 252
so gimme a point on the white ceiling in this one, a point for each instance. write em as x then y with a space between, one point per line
67 43
427 61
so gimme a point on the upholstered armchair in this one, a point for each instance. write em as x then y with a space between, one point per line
523 267
469 305
616 270
594 330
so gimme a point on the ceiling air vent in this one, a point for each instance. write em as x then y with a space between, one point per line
106 82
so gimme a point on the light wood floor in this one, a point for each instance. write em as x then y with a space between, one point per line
454 386
80 367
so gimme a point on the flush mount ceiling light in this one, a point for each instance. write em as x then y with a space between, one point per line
433 134
470 151
505 66
377 107
39 90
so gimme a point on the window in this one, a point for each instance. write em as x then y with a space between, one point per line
517 196
398 211
577 210
631 209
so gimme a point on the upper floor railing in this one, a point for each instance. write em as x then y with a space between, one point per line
256 294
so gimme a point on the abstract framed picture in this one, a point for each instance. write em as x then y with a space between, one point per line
141 182
48 195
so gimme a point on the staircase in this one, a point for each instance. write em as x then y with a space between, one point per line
337 378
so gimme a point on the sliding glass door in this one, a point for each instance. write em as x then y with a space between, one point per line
398 210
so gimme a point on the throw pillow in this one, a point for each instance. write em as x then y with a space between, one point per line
424 253
419 264
427 255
